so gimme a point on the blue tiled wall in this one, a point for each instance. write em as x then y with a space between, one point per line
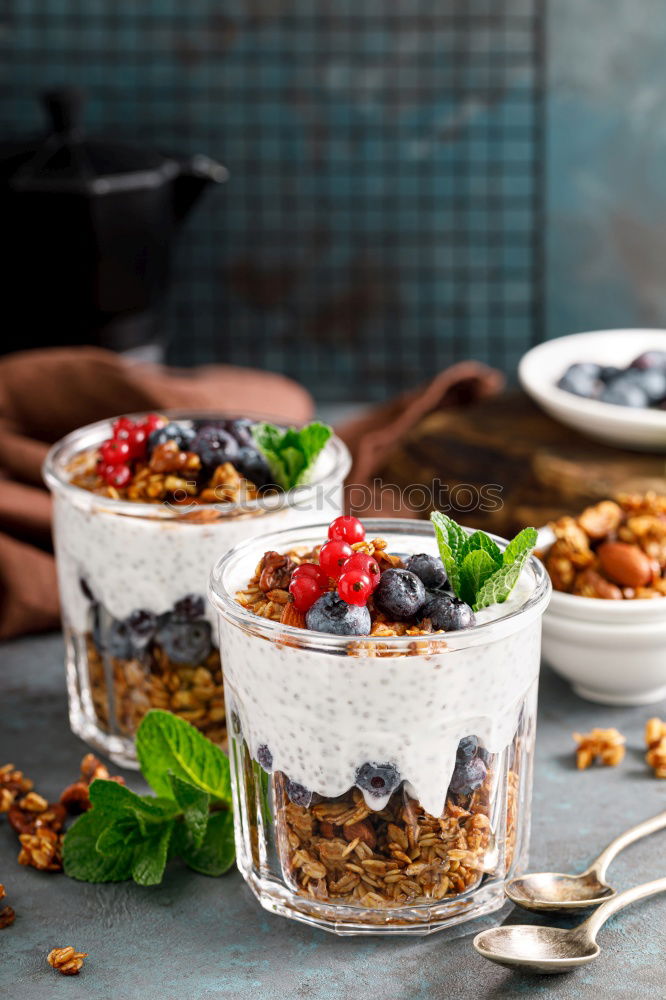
372 231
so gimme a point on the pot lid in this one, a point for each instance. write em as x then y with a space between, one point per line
68 161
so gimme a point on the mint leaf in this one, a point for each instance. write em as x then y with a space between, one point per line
80 858
111 796
476 568
166 743
121 833
524 541
497 588
450 541
291 453
195 806
216 854
480 540
150 856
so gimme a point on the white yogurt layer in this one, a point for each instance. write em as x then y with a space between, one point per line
135 562
322 715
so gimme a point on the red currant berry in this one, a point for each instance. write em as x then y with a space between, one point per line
152 422
332 557
347 529
354 586
312 571
305 590
122 428
364 563
138 442
114 452
116 475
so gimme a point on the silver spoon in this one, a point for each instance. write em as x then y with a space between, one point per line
552 949
552 891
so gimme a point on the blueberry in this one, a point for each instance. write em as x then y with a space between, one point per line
399 594
483 755
189 608
331 614
185 642
378 779
467 748
299 794
650 359
182 434
429 569
623 391
252 464
447 613
265 757
214 446
581 380
468 776
608 373
241 430
119 640
141 626
651 380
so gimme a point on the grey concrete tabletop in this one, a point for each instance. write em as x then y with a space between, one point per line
199 938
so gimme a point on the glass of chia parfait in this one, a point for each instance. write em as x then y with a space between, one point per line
142 507
381 731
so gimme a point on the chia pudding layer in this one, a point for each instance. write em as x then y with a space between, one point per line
325 706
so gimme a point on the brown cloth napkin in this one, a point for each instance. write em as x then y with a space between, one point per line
46 394
373 436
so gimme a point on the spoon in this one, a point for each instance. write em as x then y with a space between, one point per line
552 949
552 891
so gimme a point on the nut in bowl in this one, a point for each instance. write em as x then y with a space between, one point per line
605 627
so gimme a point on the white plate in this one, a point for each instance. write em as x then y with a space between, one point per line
540 369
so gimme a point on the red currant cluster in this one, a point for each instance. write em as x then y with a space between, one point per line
129 442
356 573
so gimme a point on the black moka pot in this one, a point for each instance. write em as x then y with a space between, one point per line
89 226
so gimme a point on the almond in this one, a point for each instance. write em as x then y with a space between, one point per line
363 831
292 616
589 583
625 564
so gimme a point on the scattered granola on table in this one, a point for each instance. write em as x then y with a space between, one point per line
655 741
66 960
614 550
7 914
603 746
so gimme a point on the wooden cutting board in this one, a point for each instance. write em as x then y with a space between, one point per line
538 468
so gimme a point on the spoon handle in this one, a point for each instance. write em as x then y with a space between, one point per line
611 906
600 866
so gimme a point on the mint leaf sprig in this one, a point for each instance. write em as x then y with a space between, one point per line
125 835
291 453
480 574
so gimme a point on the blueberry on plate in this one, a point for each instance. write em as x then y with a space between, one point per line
429 569
447 613
399 594
650 359
241 429
214 445
467 748
651 380
118 640
331 614
581 379
189 608
623 391
185 642
467 776
182 434
379 780
265 757
252 464
608 373
299 794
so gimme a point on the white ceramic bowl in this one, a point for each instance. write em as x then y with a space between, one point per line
613 652
540 369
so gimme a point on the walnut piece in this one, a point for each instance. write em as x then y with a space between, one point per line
42 850
66 960
7 916
605 746
276 570
655 740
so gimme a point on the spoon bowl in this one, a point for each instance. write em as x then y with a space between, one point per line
548 950
556 892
